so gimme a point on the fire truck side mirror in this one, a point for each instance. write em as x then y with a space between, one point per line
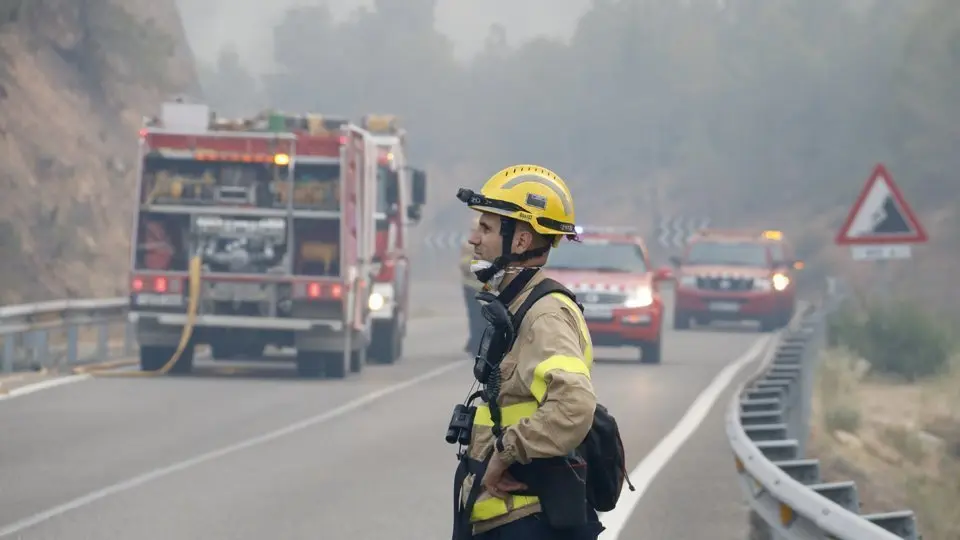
414 213
419 187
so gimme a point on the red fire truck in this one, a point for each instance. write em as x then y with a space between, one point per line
253 232
401 193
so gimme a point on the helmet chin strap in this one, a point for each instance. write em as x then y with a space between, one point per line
507 228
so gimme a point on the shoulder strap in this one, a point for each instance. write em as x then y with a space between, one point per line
545 287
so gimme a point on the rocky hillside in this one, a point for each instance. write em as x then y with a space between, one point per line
75 78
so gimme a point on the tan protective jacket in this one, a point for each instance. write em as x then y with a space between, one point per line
546 398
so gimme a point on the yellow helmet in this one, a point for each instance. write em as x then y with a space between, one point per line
528 193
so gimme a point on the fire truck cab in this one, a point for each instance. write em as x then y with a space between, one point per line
401 194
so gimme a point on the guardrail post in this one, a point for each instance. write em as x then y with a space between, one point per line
808 373
103 340
40 348
129 336
72 345
29 345
9 351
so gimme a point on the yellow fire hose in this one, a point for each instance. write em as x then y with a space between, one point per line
192 308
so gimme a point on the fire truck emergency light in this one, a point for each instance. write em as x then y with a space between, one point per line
380 123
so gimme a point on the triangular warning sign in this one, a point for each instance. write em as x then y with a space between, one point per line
881 215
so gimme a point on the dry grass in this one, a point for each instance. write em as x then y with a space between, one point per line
899 442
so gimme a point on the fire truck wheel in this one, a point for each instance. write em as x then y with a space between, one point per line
310 364
387 343
650 352
334 366
153 358
356 366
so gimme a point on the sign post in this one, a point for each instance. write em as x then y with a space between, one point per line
881 226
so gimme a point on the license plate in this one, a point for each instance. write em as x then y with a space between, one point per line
597 312
724 306
238 291
164 300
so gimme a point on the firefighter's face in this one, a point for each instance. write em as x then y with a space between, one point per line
485 238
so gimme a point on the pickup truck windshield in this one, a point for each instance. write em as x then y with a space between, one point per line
728 254
598 257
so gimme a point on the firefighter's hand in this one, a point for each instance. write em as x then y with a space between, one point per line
498 482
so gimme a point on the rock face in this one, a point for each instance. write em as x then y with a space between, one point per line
76 77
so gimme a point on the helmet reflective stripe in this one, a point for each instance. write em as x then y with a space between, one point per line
529 178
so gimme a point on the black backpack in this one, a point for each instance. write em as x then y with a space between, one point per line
602 448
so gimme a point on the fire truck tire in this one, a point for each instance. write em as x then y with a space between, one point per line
681 320
334 367
153 358
387 343
650 352
310 364
356 365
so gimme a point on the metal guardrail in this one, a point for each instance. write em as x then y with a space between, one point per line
63 333
767 425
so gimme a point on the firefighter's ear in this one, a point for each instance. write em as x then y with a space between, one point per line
522 240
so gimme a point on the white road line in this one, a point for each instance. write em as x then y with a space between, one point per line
642 476
42 385
156 474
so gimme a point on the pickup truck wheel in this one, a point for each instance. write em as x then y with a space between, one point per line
681 321
650 353
770 323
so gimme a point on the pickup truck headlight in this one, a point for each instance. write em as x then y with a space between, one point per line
688 281
777 282
639 298
780 282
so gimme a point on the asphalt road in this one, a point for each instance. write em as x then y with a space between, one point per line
248 451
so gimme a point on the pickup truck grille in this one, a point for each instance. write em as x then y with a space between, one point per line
725 283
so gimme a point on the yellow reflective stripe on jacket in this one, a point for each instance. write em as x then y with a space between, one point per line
570 364
511 414
582 323
494 507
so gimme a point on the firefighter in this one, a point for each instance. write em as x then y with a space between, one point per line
471 286
538 401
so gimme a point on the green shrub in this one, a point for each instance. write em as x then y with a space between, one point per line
842 418
896 337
